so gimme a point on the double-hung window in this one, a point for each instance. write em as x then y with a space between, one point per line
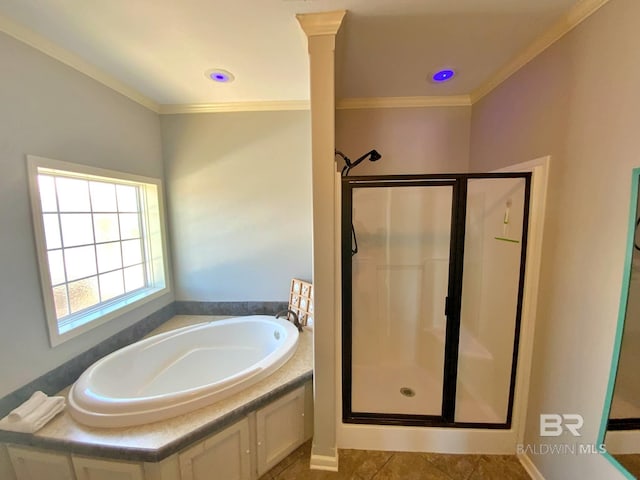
100 243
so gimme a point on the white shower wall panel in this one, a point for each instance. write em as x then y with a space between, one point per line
397 309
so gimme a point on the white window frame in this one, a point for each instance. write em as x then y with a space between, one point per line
157 261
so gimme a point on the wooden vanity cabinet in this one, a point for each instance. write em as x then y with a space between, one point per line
244 450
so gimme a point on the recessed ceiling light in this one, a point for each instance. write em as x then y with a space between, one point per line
220 76
443 75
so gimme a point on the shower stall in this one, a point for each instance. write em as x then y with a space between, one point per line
432 290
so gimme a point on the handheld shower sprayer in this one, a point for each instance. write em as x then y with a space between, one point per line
373 156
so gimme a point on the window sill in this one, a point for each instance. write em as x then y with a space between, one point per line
97 317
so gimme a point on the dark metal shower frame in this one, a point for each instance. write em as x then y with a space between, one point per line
459 183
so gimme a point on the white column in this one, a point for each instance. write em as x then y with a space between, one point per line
321 29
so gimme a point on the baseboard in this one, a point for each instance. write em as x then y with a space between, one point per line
434 439
324 462
530 467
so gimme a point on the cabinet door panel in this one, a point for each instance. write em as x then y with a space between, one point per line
280 428
92 469
6 469
31 464
225 456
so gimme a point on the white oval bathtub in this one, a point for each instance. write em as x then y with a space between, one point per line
175 372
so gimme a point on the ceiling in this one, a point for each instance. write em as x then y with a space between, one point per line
385 48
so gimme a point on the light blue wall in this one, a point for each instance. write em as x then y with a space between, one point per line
239 201
51 110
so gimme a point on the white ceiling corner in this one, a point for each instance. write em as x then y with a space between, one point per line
33 39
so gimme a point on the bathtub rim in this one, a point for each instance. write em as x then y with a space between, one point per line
162 337
127 412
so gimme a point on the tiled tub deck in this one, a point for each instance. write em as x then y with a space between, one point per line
155 445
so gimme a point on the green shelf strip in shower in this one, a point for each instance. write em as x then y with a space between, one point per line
511 240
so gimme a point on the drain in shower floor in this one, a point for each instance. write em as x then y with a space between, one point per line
407 392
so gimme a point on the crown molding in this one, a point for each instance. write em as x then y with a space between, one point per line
576 15
74 61
324 23
341 104
265 106
582 10
403 102
321 23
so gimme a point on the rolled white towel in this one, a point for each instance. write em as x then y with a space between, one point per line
37 399
45 412
35 418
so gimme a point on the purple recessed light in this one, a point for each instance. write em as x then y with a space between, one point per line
443 76
220 76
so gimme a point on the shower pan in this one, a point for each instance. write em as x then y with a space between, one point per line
432 299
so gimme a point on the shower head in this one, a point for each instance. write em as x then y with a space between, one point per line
373 156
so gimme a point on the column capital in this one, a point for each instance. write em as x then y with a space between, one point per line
321 23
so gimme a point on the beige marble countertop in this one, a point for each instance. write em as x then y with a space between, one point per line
158 440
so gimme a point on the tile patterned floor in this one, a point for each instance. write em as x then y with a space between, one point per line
374 465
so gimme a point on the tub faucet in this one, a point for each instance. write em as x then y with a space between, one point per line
292 317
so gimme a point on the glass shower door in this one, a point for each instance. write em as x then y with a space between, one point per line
432 292
399 284
496 217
